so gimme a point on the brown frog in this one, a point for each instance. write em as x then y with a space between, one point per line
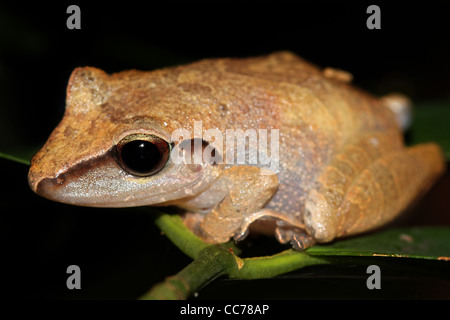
192 136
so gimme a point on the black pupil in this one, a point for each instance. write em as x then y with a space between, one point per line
140 155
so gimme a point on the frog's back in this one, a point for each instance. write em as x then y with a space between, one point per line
280 89
306 92
317 112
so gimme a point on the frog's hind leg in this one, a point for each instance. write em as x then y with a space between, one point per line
331 187
361 200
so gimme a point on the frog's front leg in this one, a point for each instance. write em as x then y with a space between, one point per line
248 189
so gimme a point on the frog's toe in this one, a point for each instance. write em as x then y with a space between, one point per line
301 242
299 239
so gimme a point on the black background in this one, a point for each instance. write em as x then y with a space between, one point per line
120 252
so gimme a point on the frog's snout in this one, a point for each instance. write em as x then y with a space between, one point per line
44 186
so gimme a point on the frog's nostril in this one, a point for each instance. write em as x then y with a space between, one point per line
45 186
60 179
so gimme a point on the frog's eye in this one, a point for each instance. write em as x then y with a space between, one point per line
142 154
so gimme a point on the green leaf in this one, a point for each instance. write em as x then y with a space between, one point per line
19 159
431 243
417 242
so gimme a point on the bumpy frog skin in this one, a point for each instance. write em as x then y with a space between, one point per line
342 169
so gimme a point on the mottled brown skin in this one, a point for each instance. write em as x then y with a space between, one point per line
343 166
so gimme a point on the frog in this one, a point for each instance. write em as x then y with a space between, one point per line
342 167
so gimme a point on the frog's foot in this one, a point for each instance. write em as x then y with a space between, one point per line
299 239
287 229
242 231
